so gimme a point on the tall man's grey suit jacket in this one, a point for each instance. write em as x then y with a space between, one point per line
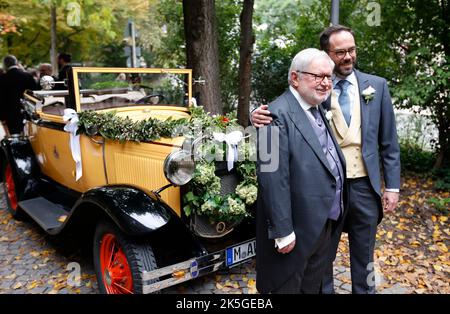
297 196
379 134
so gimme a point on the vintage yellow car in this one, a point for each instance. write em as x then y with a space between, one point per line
126 195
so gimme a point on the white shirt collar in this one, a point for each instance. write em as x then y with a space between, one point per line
13 67
305 106
351 78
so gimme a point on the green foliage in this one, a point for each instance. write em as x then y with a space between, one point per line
204 197
414 158
410 47
228 30
441 204
102 23
109 84
113 127
112 55
421 41
168 50
282 31
442 177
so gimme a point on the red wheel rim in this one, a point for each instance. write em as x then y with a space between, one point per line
116 272
10 187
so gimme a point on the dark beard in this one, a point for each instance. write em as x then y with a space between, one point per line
337 70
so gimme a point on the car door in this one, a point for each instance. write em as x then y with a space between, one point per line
51 145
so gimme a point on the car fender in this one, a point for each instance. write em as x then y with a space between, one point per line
25 168
134 211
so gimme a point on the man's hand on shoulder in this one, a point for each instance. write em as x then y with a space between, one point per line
261 116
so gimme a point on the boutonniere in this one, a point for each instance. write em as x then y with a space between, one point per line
329 115
368 94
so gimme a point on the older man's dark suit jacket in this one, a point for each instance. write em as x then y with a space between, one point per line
296 197
12 86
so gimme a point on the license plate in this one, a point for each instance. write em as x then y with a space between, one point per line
241 252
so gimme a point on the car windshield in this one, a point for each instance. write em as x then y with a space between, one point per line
103 90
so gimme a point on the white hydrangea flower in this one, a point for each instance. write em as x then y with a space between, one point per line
236 207
248 193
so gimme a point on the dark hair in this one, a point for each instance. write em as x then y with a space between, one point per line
65 56
326 34
9 61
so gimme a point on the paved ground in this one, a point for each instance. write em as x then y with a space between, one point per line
33 262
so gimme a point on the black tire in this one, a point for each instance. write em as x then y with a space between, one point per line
139 257
10 192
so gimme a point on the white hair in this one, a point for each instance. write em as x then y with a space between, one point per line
303 59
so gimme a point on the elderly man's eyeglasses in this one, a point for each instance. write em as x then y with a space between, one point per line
319 78
341 53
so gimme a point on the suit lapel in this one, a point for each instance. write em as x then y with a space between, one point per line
302 123
338 117
363 83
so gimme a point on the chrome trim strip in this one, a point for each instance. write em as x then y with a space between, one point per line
150 275
203 265
149 288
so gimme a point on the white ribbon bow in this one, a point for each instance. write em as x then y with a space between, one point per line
71 118
232 139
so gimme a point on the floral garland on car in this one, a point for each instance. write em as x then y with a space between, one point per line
203 197
113 127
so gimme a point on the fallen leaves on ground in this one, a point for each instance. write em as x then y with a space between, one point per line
412 243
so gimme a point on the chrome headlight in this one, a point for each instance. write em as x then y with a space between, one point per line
179 167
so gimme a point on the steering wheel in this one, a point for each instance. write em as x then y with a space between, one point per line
148 99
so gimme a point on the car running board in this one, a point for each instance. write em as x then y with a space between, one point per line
48 215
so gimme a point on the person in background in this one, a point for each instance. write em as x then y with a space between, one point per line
45 69
35 74
64 66
12 86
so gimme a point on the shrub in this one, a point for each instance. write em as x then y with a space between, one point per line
414 158
441 204
442 177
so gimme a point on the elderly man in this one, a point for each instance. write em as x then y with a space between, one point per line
12 85
301 182
363 122
45 69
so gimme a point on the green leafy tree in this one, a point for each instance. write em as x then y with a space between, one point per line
411 48
101 22
283 29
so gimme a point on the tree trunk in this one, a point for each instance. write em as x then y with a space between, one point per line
443 107
53 38
202 52
443 159
245 62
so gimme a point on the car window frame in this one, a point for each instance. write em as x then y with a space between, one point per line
75 92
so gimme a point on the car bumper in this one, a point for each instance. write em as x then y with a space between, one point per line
171 275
